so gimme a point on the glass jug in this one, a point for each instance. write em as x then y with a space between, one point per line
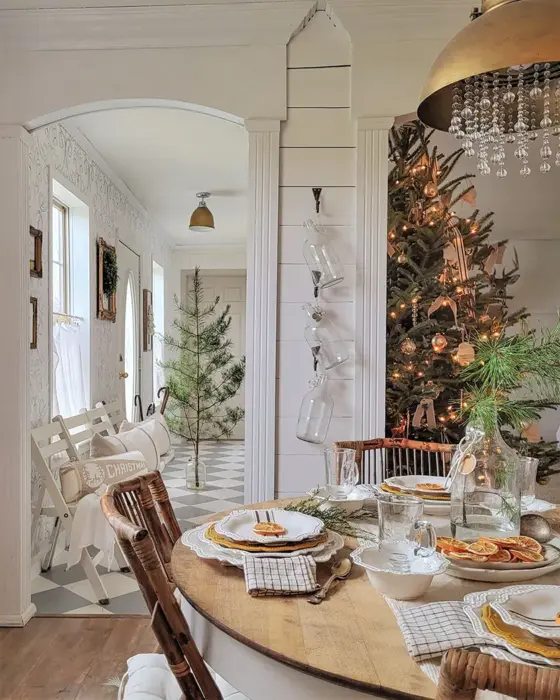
315 412
324 265
485 479
323 339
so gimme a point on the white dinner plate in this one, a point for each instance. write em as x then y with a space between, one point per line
411 483
308 550
474 602
551 556
193 539
238 525
497 576
533 608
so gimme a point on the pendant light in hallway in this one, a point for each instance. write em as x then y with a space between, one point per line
202 220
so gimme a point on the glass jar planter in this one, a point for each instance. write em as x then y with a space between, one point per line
195 473
324 265
321 335
486 484
315 412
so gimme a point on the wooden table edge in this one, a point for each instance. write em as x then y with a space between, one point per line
305 668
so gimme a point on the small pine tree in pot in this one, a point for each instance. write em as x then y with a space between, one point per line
203 376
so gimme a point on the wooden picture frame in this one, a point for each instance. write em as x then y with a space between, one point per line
147 320
106 304
34 322
36 262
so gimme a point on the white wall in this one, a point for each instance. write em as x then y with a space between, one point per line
114 213
317 149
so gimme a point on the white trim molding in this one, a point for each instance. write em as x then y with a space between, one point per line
262 292
371 275
15 468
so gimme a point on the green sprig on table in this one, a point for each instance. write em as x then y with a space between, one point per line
335 518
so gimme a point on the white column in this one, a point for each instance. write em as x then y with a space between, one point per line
371 275
262 274
15 462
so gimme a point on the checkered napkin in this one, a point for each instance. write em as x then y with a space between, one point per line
280 576
430 630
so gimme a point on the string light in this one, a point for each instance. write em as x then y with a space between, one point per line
392 234
484 337
396 375
405 227
420 374
460 290
393 314
403 306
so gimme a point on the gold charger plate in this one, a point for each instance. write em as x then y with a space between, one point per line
517 637
253 547
428 497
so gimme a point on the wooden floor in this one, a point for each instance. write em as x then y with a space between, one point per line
69 658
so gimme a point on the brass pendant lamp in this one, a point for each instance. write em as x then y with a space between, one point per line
202 219
498 82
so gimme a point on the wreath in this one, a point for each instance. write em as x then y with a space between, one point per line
110 272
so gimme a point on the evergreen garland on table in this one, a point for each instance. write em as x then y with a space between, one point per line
203 376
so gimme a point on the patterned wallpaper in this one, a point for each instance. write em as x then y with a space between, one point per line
112 215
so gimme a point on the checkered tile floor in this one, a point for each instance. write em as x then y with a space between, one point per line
68 592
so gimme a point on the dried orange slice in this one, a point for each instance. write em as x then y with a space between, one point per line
521 543
269 529
430 487
557 618
483 548
465 555
449 544
527 555
501 556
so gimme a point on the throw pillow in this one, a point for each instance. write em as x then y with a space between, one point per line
78 479
156 427
135 439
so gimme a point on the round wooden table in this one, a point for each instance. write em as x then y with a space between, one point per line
284 648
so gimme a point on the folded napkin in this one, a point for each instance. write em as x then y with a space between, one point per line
274 576
430 630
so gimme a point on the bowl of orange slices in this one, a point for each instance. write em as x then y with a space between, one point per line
498 553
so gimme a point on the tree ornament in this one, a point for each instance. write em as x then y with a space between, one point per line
465 354
408 347
439 342
431 190
402 259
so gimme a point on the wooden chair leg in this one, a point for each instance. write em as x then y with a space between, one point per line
121 559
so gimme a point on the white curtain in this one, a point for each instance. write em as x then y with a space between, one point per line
69 395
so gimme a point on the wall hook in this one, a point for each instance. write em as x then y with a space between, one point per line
317 194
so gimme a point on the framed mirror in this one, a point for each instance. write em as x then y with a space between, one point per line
36 262
107 279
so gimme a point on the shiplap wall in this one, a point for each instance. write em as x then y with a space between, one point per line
317 149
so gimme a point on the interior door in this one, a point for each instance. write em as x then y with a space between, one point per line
128 321
232 290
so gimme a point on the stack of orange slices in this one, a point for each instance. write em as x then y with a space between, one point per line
492 549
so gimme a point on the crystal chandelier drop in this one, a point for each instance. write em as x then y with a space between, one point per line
496 87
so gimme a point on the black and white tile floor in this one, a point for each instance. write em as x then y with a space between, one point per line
68 592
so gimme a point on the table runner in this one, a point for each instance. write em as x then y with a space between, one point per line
448 588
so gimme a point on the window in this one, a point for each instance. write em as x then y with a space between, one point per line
60 258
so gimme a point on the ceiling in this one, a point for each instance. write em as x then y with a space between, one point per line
165 156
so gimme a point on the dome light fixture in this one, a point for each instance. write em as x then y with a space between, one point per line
498 82
202 220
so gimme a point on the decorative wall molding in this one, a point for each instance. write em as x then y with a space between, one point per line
371 275
232 24
262 291
15 474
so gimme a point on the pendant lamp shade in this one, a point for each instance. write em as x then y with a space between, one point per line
202 220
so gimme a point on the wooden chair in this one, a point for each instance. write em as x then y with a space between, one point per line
465 672
133 510
379 459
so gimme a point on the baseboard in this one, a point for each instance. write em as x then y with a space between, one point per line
18 620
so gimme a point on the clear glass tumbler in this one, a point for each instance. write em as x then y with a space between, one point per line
403 535
529 466
341 471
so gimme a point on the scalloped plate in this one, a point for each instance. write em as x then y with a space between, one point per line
238 525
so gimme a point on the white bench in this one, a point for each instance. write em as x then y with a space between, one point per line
60 441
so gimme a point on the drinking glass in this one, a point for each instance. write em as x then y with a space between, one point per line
341 471
529 466
402 533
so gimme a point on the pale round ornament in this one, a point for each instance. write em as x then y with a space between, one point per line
439 342
465 354
408 347
402 258
431 189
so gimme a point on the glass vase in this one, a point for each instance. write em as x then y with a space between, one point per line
324 265
195 473
315 412
323 339
486 479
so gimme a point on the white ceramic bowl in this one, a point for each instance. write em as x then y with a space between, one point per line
400 586
355 500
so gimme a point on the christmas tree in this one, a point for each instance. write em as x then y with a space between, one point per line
447 290
203 376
